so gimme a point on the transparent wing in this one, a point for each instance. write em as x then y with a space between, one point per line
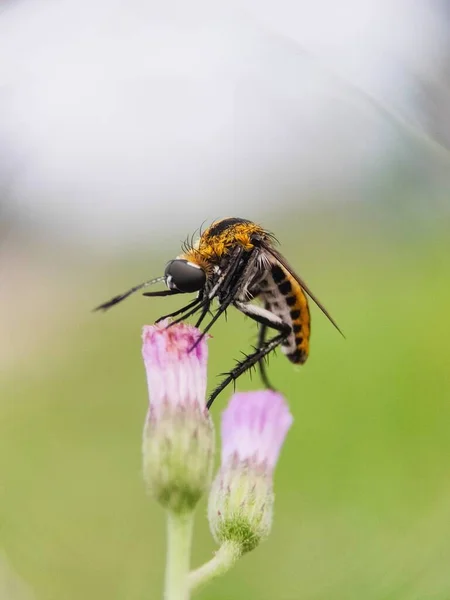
280 258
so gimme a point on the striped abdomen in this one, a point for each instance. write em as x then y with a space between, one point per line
283 296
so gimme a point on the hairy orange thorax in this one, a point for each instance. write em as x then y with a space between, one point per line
221 237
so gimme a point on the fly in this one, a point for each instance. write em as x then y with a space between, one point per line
235 262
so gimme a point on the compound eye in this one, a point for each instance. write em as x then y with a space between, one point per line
184 276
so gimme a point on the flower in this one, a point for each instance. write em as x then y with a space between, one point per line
178 444
240 506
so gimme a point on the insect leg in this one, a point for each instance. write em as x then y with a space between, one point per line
203 315
229 272
180 310
219 311
244 365
262 364
265 317
236 270
197 307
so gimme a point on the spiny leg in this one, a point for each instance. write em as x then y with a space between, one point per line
180 310
197 307
262 362
267 318
219 311
205 311
246 364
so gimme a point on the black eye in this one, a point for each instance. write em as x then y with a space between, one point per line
184 276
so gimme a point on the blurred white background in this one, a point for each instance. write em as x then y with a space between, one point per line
120 118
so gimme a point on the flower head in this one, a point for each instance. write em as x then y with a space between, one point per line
254 427
178 440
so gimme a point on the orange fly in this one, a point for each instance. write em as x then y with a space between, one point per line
235 262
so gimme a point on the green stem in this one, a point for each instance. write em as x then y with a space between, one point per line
222 562
179 541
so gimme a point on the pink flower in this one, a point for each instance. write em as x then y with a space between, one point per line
175 376
254 427
240 508
178 444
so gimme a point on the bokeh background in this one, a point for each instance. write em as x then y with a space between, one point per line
123 127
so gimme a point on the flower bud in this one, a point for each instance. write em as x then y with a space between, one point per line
178 444
240 507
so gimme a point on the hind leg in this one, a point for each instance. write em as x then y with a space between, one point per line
262 363
264 317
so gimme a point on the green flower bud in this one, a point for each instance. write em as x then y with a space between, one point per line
240 507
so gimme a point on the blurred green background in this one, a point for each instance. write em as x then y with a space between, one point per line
362 487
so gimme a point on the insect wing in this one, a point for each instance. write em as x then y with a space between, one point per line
280 258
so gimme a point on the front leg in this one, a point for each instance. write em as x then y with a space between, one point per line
267 319
180 310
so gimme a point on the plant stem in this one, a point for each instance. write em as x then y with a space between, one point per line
222 562
179 541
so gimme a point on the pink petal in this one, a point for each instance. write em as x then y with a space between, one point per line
175 375
254 426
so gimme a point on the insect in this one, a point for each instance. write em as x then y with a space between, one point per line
235 262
